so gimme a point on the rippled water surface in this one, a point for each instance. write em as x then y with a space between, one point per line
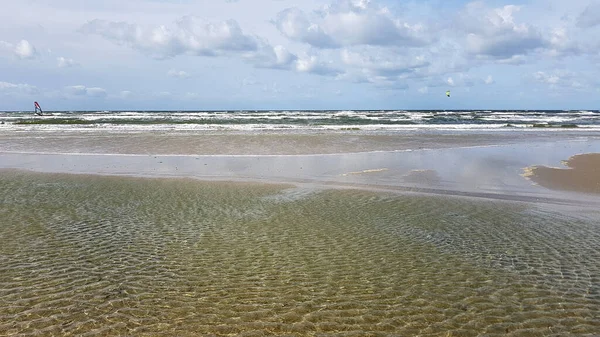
107 256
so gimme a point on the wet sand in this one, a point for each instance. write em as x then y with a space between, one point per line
581 175
264 142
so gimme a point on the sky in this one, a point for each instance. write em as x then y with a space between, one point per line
292 54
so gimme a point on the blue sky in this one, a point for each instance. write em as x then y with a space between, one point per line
310 54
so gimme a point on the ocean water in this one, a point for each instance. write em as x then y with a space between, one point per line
88 255
371 120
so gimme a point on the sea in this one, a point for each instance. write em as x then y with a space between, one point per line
251 120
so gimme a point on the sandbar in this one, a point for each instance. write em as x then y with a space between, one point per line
582 174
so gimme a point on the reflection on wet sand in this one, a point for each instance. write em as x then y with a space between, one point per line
581 175
425 177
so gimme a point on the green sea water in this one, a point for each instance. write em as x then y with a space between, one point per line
84 255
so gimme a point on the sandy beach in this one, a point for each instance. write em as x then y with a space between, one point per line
329 235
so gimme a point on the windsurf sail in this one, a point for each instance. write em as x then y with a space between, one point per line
448 93
38 109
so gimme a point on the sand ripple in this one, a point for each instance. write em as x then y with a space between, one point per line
109 256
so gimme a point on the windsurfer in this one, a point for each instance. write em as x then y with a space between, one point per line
38 109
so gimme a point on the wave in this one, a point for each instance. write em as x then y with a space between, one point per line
300 119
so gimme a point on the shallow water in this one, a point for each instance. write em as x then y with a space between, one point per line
107 256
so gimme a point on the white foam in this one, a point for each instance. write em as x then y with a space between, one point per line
374 120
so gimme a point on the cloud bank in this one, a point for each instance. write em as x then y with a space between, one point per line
364 50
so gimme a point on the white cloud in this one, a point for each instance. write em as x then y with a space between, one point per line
312 64
562 78
513 60
454 80
81 90
279 57
546 78
96 92
126 94
77 90
488 80
383 67
294 24
25 50
383 62
5 45
570 39
379 81
65 62
21 89
283 56
494 33
188 35
178 73
248 82
561 41
266 56
576 84
348 23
